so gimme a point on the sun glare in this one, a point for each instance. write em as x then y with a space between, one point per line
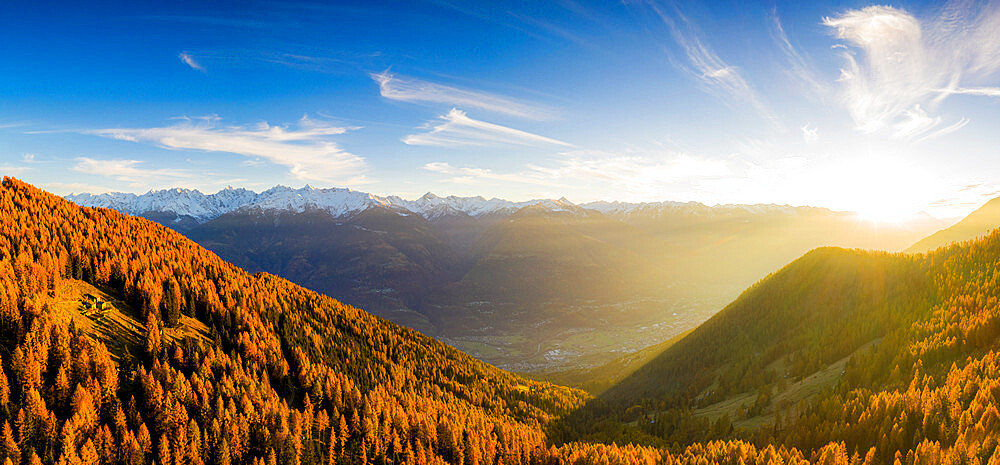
884 212
879 198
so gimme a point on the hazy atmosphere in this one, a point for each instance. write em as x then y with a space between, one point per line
563 232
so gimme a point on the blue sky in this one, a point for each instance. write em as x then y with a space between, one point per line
883 109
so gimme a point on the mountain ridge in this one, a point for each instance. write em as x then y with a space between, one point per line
338 201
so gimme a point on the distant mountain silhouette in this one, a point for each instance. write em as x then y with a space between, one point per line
977 224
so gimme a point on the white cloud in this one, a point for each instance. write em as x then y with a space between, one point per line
607 175
12 125
190 61
634 169
470 175
914 122
810 134
983 91
129 171
456 129
305 148
947 130
137 176
409 89
7 169
910 66
64 188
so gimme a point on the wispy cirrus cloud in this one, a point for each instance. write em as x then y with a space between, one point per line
190 61
414 90
306 148
909 66
798 65
702 62
983 91
457 129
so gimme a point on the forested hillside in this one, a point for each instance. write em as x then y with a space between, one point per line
291 376
893 356
843 357
283 375
402 256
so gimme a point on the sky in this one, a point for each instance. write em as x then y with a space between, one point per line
884 109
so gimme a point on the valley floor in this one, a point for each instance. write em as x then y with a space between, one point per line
602 333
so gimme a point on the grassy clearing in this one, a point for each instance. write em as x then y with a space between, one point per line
799 391
117 326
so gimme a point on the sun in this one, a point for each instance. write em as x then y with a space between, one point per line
890 200
879 212
883 189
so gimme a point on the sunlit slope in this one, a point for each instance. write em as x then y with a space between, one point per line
813 312
735 247
282 371
887 353
977 224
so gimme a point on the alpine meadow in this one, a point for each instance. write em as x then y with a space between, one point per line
568 232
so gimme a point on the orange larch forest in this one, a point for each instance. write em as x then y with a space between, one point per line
230 367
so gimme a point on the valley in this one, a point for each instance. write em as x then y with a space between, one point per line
581 335
842 332
541 286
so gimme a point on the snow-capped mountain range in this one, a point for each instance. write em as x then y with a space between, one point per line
340 202
337 202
